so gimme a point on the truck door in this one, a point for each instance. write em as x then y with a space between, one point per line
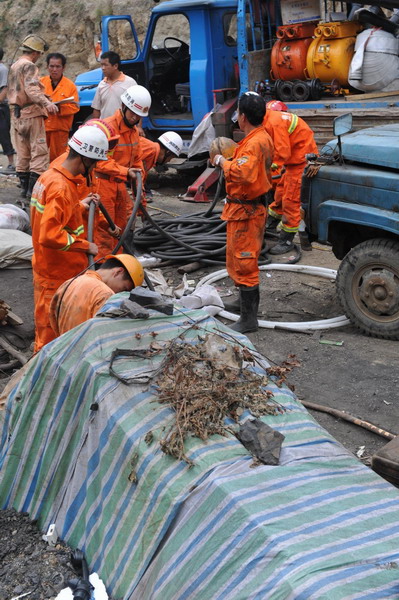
119 35
167 54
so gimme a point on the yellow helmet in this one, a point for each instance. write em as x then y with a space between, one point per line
132 266
34 42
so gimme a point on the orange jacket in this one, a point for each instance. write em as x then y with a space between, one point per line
247 174
26 90
77 300
128 152
65 88
292 137
58 232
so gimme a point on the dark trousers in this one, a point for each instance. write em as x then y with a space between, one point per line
5 139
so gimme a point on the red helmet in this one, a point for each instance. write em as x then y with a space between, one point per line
109 131
277 105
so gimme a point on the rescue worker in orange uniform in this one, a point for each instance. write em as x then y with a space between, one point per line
292 139
79 298
29 108
126 160
168 146
58 87
60 246
248 180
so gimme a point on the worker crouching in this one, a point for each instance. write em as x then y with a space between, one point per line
80 298
248 180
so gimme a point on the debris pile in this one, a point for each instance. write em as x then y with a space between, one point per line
206 383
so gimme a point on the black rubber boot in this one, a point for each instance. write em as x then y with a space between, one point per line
271 224
33 177
304 241
24 183
249 301
284 244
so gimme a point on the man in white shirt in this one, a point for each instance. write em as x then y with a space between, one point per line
108 95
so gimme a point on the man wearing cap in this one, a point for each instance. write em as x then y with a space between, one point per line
168 146
79 298
29 108
107 98
293 139
59 88
248 180
57 219
127 156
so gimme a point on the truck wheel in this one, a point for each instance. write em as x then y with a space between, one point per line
368 287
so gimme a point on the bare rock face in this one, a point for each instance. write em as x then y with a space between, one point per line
71 28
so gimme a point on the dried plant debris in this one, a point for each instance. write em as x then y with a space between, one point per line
280 372
205 383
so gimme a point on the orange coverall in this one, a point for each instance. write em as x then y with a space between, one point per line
60 248
247 178
58 126
77 300
292 139
26 90
110 177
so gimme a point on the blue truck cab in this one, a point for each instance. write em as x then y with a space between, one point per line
351 200
180 72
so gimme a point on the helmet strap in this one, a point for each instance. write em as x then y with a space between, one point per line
86 173
126 122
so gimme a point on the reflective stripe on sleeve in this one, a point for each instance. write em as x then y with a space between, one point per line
293 124
34 202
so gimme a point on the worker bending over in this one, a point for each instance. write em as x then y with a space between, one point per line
58 88
248 180
57 219
111 178
79 298
292 139
29 107
168 146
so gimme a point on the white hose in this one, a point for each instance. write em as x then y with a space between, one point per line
293 326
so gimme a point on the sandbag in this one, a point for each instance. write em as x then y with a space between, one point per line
16 249
375 64
13 217
222 145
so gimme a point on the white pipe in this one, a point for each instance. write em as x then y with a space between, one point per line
290 325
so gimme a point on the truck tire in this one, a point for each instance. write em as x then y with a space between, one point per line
368 287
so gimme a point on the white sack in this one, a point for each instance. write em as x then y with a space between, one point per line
203 135
13 217
206 297
375 64
16 249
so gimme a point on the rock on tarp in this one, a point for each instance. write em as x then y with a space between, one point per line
318 525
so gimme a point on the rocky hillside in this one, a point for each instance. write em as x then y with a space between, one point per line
68 27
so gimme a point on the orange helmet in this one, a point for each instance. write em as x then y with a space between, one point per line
109 131
277 105
132 266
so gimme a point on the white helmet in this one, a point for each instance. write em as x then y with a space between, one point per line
172 141
90 141
137 99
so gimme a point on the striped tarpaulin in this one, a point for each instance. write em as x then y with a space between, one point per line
320 525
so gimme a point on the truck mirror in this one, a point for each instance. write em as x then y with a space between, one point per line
342 124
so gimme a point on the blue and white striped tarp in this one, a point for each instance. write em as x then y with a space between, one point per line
320 525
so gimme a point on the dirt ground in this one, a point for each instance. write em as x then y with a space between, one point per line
354 373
